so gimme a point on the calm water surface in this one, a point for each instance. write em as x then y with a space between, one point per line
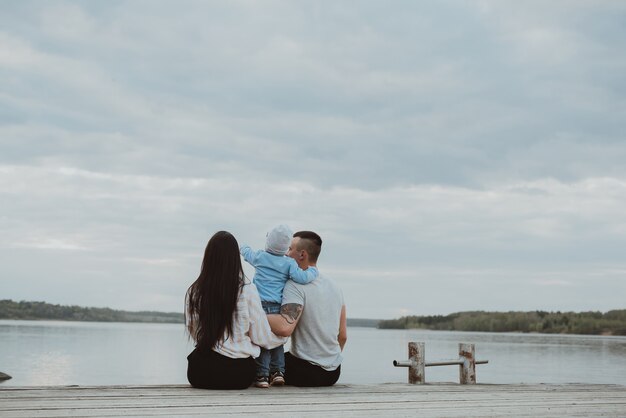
88 353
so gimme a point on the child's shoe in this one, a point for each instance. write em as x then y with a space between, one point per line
262 382
278 379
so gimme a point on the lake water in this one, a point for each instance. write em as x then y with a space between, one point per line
88 353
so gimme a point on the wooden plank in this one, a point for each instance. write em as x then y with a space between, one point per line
341 400
341 410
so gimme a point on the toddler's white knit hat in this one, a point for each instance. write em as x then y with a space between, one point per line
278 240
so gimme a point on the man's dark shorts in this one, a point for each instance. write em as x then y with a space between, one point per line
300 372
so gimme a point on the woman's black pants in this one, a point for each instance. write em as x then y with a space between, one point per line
207 369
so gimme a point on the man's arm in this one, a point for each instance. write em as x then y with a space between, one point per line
284 323
343 329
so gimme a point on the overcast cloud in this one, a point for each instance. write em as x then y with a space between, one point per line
453 155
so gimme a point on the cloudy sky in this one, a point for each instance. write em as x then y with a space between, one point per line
453 155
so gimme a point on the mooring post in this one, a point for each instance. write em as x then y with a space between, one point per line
467 363
416 357
467 369
415 363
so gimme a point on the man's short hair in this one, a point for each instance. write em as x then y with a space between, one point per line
309 242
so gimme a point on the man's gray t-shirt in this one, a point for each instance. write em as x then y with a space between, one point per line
315 336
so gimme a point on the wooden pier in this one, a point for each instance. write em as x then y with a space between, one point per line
397 400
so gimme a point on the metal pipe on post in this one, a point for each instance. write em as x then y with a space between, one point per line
467 370
415 363
467 363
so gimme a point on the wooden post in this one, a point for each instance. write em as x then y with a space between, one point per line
467 370
416 357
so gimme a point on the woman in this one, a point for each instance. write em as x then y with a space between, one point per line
225 319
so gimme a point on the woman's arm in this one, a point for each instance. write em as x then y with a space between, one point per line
260 331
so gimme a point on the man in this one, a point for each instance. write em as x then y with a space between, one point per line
314 315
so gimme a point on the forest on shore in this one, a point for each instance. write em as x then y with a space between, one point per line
45 311
591 323
42 310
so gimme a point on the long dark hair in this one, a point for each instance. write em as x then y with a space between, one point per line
211 301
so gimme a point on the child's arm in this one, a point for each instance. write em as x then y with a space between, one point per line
302 276
248 254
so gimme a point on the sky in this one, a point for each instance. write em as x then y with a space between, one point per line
453 155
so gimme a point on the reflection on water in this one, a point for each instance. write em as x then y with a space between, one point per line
513 358
88 353
53 368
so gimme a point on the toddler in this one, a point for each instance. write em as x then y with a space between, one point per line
273 269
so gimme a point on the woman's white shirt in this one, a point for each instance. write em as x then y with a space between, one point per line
250 327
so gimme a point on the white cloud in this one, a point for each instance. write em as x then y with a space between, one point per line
68 22
48 243
16 53
438 148
163 221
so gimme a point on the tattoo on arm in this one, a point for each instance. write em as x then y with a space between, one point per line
291 312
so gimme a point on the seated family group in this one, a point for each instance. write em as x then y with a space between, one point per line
240 326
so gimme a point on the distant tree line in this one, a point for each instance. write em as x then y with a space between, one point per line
361 322
610 323
41 310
